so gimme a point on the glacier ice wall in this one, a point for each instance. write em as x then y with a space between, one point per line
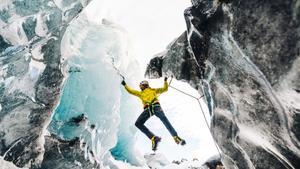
125 148
92 87
31 77
246 56
35 61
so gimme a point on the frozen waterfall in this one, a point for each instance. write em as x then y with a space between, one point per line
90 89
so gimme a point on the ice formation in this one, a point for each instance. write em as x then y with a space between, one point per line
30 37
94 60
242 55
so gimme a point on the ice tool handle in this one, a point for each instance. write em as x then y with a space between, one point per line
117 70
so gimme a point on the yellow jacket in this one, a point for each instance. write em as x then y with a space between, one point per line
148 95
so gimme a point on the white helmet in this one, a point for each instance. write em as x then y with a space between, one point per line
144 82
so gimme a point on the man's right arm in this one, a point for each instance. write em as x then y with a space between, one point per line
130 90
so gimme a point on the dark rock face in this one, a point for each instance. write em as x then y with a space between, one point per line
31 76
64 154
246 54
278 22
186 66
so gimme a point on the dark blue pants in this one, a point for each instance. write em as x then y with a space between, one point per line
158 112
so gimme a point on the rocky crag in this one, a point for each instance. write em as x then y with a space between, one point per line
244 56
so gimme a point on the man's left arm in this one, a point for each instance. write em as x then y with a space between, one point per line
163 89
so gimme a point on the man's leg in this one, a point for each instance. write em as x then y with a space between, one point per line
140 124
161 115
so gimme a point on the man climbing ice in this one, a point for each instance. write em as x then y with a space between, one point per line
149 97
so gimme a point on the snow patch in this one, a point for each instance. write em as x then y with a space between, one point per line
259 139
41 27
17 35
156 161
8 165
8 81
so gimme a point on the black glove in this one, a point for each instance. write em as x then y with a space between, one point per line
123 83
166 78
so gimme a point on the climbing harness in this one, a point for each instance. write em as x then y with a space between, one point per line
198 100
150 108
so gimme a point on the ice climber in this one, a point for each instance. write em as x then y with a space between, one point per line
149 97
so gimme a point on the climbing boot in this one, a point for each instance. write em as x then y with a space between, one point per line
155 140
179 140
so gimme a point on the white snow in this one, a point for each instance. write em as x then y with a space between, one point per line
8 81
8 165
41 27
36 68
27 82
17 35
5 3
261 139
156 160
286 93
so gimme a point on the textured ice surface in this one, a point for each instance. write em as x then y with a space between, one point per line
33 55
254 103
250 81
92 87
30 36
8 165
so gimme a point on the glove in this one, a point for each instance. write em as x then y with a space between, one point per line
123 83
166 78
